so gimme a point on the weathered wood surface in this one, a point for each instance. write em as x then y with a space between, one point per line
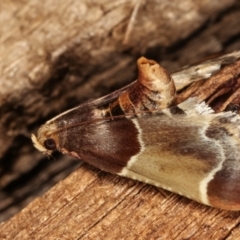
53 56
90 204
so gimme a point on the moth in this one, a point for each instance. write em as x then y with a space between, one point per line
161 130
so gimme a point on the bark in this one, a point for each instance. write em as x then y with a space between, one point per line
54 55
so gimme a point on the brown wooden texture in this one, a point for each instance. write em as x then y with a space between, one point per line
90 204
56 54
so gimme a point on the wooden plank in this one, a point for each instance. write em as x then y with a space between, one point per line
91 204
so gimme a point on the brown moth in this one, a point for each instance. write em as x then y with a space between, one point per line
160 131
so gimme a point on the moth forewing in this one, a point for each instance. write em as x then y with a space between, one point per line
137 132
203 70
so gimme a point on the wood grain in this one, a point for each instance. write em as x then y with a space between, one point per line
90 204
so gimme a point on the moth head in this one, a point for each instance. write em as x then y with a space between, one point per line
46 141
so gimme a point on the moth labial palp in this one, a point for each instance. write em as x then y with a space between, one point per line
138 132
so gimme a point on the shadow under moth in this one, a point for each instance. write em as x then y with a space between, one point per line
180 132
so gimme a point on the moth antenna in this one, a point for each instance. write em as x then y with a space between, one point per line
49 156
111 117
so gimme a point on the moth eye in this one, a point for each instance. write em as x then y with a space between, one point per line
50 144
